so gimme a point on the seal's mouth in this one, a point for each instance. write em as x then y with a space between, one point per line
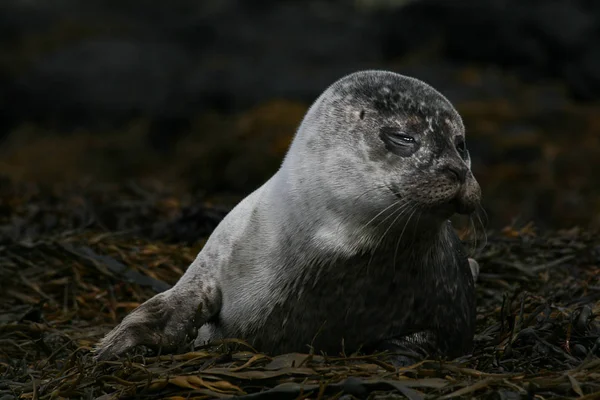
463 207
394 192
459 204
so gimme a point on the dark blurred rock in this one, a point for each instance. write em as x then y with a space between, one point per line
583 74
19 17
168 62
171 60
100 77
556 38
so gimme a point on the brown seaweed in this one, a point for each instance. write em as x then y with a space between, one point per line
69 273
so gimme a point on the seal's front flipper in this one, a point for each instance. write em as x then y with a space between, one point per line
408 350
165 321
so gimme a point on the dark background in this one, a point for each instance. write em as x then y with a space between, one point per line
204 96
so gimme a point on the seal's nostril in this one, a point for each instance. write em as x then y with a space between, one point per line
458 173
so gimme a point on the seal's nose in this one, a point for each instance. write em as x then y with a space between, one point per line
457 172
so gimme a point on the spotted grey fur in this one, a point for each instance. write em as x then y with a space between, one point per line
347 246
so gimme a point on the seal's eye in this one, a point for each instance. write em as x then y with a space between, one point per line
398 141
461 147
402 138
397 136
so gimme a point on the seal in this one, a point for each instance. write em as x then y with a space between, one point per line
347 247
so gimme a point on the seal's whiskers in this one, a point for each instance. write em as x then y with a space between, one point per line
349 216
381 212
400 238
403 210
485 239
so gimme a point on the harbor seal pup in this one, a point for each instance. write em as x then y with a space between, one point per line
346 247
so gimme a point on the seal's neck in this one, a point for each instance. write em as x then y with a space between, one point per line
321 227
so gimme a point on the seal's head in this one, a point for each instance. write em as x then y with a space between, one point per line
381 138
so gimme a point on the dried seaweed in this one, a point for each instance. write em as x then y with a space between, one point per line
74 262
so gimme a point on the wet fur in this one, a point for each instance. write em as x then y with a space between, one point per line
310 258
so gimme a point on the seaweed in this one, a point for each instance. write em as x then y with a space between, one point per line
74 261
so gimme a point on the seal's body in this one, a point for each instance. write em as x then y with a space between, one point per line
347 245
